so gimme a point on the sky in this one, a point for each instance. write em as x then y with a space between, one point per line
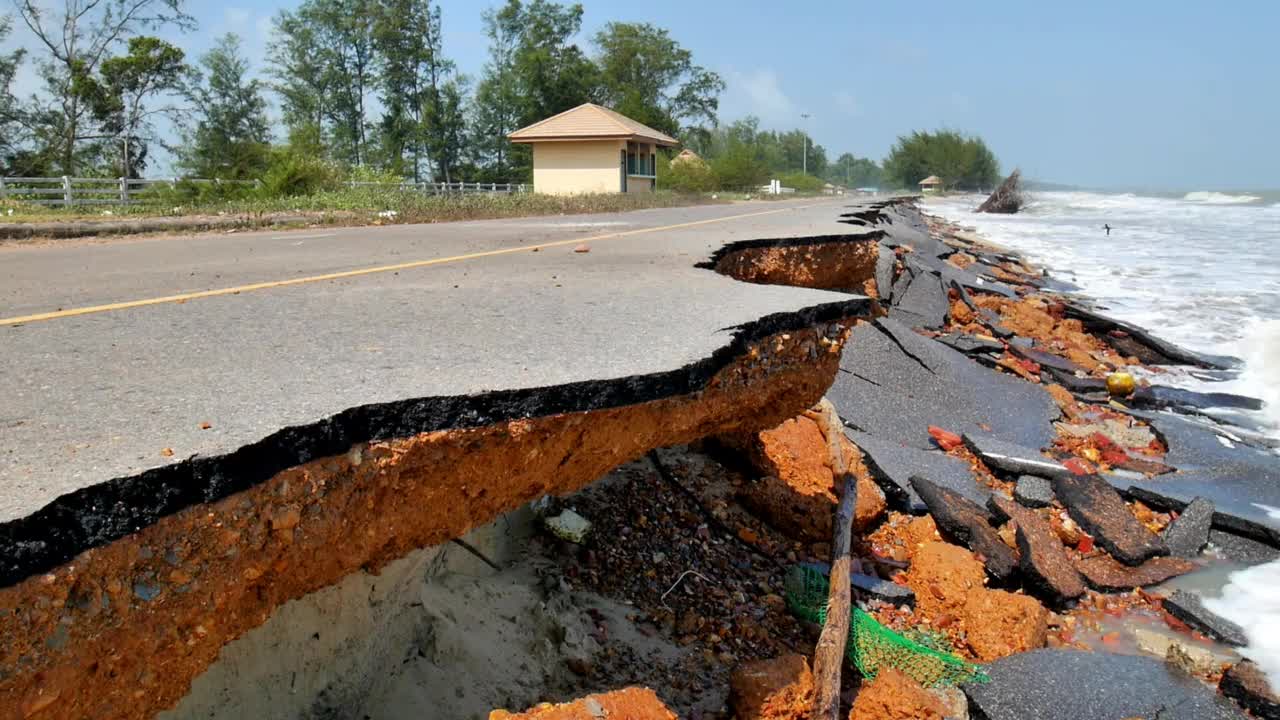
1173 95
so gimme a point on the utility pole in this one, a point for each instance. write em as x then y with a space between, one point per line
804 154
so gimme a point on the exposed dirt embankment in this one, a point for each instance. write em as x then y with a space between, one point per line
121 629
829 262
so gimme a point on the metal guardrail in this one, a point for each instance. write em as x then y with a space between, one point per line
64 191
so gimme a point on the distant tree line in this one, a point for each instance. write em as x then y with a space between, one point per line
366 87
960 161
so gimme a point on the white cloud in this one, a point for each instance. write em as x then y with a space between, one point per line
845 102
759 93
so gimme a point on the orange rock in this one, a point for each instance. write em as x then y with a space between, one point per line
894 696
777 689
943 576
1065 401
633 703
998 624
797 492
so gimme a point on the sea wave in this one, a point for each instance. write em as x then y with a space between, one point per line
1210 197
1252 600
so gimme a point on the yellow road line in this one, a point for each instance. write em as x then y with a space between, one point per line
183 297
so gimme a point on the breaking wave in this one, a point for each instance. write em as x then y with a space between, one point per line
1252 600
1209 197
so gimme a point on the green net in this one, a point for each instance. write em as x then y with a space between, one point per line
873 646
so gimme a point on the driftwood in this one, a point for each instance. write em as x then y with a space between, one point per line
828 656
1007 198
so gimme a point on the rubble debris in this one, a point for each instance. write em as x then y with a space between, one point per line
569 525
970 344
1033 491
1103 573
891 464
900 536
965 522
891 695
633 703
1187 535
1059 684
1148 349
1245 683
780 688
998 624
1098 508
1042 558
895 383
1012 458
1188 608
1187 657
1044 359
1238 548
882 590
1007 198
796 492
1241 480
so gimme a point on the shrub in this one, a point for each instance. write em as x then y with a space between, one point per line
293 174
690 175
738 169
802 182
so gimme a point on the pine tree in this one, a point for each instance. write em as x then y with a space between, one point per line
230 138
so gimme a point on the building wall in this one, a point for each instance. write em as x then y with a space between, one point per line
565 168
639 184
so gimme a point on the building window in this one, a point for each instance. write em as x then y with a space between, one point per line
631 163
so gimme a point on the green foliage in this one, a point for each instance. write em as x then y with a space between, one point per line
649 77
231 137
11 114
687 175
776 152
294 174
854 172
802 182
739 169
962 162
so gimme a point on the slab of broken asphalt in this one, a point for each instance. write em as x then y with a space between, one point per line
895 383
1240 480
462 344
1075 685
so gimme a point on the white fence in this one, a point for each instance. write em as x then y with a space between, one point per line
126 191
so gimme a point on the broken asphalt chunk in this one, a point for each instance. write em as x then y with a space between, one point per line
1131 340
1103 573
1042 558
1059 684
1240 480
1098 508
1012 458
892 464
1238 548
965 522
1188 608
970 344
895 383
1245 683
1189 533
1033 491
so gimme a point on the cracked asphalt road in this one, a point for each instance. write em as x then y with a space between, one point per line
468 307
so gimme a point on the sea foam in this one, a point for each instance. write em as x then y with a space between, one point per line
1216 198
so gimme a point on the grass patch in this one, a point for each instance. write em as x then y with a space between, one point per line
364 205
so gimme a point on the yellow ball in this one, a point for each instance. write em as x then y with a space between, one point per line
1121 384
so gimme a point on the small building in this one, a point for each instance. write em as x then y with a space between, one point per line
930 185
592 149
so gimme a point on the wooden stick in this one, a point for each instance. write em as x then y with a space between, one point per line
828 656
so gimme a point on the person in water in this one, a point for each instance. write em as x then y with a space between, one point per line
1108 229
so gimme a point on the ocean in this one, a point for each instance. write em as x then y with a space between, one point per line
1199 269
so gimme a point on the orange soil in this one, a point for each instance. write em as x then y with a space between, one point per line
631 703
79 642
776 689
894 696
902 535
984 624
1042 320
833 265
797 493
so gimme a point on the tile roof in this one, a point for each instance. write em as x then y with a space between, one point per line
590 121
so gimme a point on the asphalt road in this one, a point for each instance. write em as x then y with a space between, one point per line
252 332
